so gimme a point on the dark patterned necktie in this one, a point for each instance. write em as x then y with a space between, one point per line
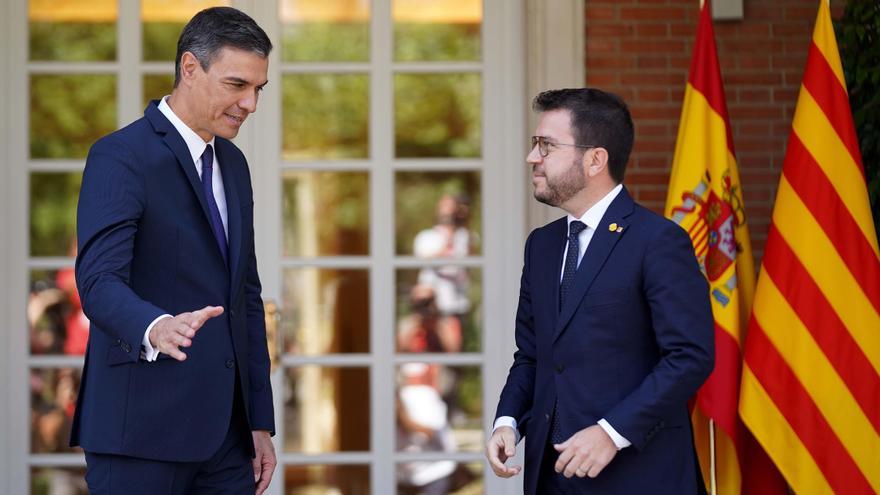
216 220
568 273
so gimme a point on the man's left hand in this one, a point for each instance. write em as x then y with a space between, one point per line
264 462
586 453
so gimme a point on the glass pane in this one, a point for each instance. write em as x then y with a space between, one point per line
325 30
325 116
437 115
164 20
439 408
72 30
438 214
56 322
326 311
327 480
439 478
326 213
439 309
156 86
69 113
326 410
437 29
53 198
58 481
53 397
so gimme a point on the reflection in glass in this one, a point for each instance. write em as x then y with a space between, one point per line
156 86
72 30
325 30
326 311
430 478
438 214
56 322
58 480
327 480
68 113
326 410
437 115
437 29
53 398
325 116
53 198
439 309
163 20
326 213
438 408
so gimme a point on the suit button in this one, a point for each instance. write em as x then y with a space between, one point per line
126 347
232 312
547 417
230 363
560 368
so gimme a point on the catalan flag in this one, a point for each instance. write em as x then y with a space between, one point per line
811 379
705 198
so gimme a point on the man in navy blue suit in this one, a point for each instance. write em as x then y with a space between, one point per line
175 397
614 330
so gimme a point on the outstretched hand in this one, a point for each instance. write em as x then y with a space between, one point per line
169 334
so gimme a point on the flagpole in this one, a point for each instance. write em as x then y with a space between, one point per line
712 482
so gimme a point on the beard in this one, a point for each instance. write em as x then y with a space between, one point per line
559 189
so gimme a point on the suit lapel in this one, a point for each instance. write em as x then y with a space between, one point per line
551 267
233 206
177 145
600 247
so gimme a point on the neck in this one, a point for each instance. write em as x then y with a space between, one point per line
178 105
581 202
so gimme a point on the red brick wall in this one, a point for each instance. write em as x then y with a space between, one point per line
641 50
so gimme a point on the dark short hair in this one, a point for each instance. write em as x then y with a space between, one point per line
215 28
598 118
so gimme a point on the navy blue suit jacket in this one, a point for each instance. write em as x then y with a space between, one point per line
145 249
631 344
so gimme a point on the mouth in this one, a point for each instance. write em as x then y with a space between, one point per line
234 119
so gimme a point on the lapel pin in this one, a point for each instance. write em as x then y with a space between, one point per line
619 229
613 228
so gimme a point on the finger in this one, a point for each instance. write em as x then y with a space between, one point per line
258 468
180 340
562 446
595 469
572 466
509 444
174 352
563 459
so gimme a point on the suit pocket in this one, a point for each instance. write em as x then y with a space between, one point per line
610 297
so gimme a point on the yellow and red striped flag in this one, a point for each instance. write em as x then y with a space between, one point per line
705 198
811 380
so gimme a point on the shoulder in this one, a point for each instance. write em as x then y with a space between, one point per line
654 226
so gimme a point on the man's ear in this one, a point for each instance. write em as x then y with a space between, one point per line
189 66
596 161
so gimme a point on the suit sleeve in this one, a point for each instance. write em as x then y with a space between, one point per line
111 201
262 416
518 392
681 316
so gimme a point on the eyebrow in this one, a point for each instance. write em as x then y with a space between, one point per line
239 80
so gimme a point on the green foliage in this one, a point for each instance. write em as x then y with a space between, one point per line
72 41
858 34
156 86
160 40
424 41
53 212
69 113
326 42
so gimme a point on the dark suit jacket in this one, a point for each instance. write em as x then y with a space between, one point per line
631 344
146 248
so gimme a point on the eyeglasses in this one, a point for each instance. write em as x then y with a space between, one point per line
544 145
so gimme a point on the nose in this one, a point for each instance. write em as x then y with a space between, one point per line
249 104
534 156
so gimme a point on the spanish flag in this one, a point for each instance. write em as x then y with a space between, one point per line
811 379
705 198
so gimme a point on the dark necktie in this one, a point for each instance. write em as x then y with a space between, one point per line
216 220
568 273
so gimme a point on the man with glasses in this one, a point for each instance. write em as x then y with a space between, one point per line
614 330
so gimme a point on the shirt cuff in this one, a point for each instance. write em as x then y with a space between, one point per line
617 438
507 421
149 353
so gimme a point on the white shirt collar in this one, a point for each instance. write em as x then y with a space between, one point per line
594 215
194 143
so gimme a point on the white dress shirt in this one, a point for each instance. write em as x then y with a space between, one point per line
196 147
591 219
